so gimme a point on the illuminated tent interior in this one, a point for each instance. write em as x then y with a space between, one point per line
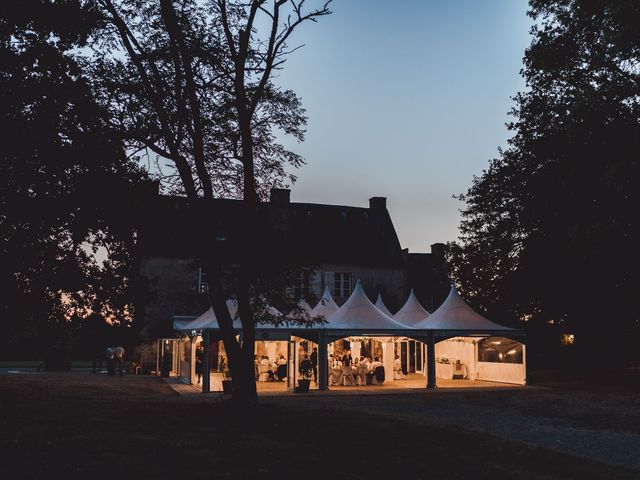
465 344
471 346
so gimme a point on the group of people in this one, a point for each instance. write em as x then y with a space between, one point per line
346 370
115 360
266 370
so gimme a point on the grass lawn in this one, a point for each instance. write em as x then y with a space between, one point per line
79 425
40 363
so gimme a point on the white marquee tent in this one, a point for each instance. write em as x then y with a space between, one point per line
411 312
452 332
325 307
382 307
457 331
359 315
455 315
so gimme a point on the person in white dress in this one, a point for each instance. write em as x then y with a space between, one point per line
397 368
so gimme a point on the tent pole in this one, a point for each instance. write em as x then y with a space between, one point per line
524 364
431 360
206 363
323 361
159 345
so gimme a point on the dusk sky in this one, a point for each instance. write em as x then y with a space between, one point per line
408 100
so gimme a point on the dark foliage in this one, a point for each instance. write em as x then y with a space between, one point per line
64 179
549 233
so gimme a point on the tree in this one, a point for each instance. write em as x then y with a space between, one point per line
192 82
548 234
61 164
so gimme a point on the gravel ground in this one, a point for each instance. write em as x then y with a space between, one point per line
601 426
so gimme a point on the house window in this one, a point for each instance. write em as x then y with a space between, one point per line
303 287
342 284
203 284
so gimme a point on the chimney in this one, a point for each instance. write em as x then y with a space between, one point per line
280 197
378 203
438 251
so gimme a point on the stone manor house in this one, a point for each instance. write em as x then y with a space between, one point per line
337 244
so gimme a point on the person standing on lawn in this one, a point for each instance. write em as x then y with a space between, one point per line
118 354
110 360
199 361
314 364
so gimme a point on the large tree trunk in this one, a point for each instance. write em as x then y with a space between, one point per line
240 364
246 382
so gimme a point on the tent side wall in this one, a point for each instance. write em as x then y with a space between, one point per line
465 350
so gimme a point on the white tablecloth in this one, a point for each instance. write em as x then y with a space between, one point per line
444 370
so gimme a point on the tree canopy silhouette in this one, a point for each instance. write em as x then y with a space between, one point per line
192 83
61 168
549 231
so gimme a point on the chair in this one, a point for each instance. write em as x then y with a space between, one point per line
379 375
458 370
264 372
347 376
134 367
361 379
336 376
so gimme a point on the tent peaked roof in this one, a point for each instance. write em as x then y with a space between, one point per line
272 311
358 313
455 314
302 303
208 320
381 306
411 312
325 307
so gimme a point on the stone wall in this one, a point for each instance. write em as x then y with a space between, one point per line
173 289
173 286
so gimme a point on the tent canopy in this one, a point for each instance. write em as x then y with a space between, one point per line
358 313
382 307
411 312
325 307
209 321
302 304
455 314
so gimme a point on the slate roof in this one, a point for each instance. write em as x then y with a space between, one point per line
306 232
